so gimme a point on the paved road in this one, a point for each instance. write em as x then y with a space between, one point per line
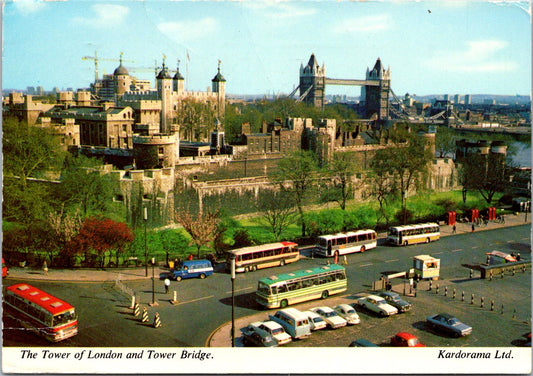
205 305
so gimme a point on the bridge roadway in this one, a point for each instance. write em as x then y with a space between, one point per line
354 82
205 305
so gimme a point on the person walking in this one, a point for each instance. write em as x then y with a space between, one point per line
167 285
454 229
473 227
45 268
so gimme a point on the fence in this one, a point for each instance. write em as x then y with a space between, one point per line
121 287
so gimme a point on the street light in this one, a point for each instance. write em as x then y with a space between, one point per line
232 300
154 303
145 244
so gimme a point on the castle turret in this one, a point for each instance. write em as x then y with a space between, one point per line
122 79
178 81
377 94
312 82
164 92
219 86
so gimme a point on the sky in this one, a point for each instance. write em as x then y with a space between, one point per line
431 47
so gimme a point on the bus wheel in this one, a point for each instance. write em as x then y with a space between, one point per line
178 278
427 240
325 294
363 248
405 243
284 303
202 276
254 268
282 263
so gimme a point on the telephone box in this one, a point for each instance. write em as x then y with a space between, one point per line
452 218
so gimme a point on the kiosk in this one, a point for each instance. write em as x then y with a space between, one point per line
426 267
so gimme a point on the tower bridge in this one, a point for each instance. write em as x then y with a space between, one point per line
375 90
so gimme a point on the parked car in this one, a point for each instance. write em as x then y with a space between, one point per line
448 323
362 343
347 313
376 304
315 320
253 336
331 317
275 330
395 300
404 339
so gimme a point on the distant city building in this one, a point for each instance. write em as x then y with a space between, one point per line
468 99
457 99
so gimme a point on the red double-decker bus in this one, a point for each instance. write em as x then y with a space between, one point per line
46 315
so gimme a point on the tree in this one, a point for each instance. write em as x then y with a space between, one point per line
404 161
172 241
277 209
195 118
85 187
101 235
29 151
445 141
340 170
202 227
485 174
382 188
296 175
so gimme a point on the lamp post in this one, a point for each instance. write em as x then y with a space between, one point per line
232 300
145 244
154 303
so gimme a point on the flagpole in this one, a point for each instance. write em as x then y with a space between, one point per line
187 73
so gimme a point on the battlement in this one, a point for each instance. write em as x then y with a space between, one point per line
156 139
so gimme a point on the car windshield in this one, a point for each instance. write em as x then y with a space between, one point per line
380 301
453 321
317 319
394 298
276 331
64 318
413 342
351 311
330 314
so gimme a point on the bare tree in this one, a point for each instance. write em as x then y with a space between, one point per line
277 209
203 227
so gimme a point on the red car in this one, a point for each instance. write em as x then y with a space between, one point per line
404 339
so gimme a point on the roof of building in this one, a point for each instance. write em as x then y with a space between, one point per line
178 75
163 73
121 71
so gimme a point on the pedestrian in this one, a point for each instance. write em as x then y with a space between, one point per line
518 257
473 227
190 257
45 268
454 229
167 285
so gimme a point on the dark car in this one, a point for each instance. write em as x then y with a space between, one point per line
254 336
395 300
449 324
362 343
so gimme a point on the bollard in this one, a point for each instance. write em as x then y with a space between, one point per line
472 299
446 291
454 293
136 310
471 272
482 302
157 321
463 296
501 274
492 305
174 301
502 309
523 268
490 276
430 285
437 290
144 317
514 313
513 271
345 260
132 302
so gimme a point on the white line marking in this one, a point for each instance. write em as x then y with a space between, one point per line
437 253
474 247
195 300
457 250
362 266
391 260
245 288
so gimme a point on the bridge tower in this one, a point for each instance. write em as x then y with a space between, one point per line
377 97
313 82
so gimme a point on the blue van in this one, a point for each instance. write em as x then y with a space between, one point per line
191 269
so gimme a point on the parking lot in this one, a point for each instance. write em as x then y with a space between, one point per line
491 328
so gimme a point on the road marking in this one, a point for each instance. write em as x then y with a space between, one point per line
362 266
457 250
391 260
195 300
437 253
474 247
510 241
246 288
525 238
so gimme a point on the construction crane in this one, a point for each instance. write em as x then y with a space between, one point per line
96 59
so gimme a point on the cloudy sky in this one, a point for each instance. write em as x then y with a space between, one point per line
432 47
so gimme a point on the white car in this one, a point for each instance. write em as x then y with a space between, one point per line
348 313
315 320
331 317
275 330
377 304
